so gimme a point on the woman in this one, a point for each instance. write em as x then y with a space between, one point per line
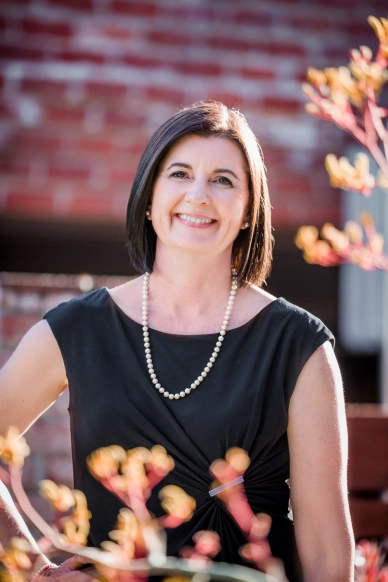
195 356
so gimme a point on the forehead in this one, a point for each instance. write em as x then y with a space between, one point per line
213 150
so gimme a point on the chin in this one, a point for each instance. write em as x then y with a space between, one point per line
192 244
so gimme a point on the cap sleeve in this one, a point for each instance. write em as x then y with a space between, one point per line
305 334
72 324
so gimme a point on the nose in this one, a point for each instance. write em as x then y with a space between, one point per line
197 193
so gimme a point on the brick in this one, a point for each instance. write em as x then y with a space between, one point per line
282 105
70 172
115 32
275 156
137 60
124 175
37 142
279 49
360 28
229 99
24 203
7 113
307 23
129 148
193 13
94 145
79 57
165 94
301 76
85 5
45 86
95 88
32 26
229 43
63 115
134 8
271 48
168 38
257 74
300 187
92 207
201 69
253 18
14 327
338 54
121 119
12 166
20 53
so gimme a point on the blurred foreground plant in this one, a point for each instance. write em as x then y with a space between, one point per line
357 244
369 563
348 96
137 547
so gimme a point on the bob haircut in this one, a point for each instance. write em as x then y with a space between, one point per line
252 249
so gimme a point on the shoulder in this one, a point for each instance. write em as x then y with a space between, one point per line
128 297
82 303
302 321
70 316
284 312
249 302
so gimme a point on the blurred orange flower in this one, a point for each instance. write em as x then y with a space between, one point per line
177 503
344 175
60 497
13 447
76 527
16 560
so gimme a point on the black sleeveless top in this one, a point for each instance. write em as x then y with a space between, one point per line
243 402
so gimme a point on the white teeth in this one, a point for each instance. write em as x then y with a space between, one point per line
196 220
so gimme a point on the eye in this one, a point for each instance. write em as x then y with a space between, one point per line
178 174
224 181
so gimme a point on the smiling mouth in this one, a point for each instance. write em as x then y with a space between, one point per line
195 220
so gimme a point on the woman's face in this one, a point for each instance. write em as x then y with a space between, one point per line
201 195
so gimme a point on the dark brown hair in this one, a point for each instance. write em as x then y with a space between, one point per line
252 249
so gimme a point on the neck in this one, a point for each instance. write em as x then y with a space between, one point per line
190 285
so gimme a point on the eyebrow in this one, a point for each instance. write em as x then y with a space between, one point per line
216 171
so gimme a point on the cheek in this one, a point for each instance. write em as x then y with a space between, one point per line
243 202
164 195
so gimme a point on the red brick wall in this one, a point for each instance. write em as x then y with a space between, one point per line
84 83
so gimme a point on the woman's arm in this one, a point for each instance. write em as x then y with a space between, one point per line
318 452
32 379
13 525
30 382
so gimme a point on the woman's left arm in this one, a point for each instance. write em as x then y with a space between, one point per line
317 438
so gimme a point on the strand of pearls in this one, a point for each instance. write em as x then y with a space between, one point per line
212 359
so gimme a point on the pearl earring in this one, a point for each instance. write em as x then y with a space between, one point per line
246 224
148 213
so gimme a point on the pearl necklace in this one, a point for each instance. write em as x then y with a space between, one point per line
216 351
